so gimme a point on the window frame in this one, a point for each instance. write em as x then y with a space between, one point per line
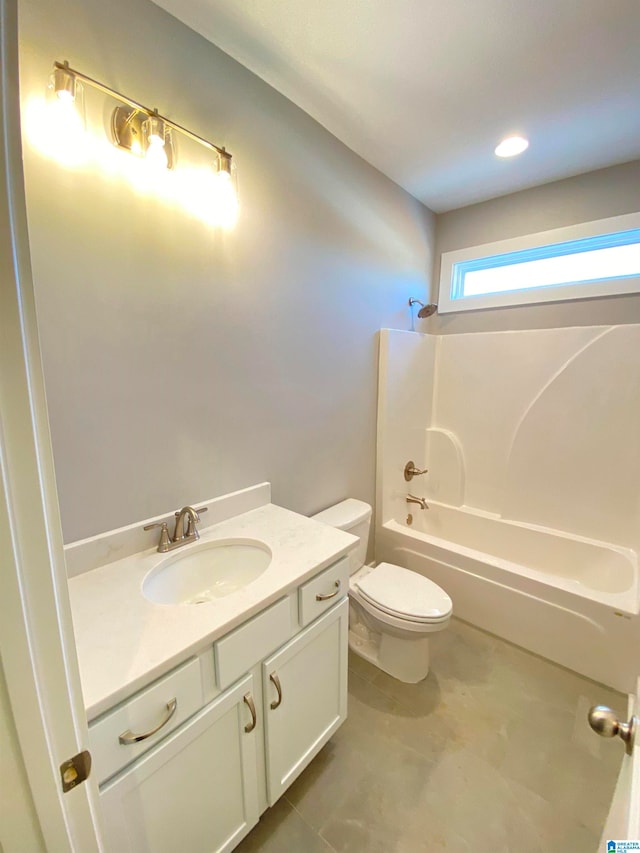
478 256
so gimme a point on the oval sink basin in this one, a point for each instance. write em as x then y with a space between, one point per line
206 572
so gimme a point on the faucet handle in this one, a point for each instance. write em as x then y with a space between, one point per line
163 545
192 530
410 471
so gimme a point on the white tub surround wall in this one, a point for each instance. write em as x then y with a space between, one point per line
405 409
530 439
533 426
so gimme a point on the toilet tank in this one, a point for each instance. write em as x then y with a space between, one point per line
355 517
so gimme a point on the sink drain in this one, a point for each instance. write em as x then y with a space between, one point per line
201 598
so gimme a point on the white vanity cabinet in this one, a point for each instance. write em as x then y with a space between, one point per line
305 697
195 791
202 787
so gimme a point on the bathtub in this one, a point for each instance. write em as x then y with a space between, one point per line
571 599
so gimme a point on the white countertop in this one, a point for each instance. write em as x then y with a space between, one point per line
124 641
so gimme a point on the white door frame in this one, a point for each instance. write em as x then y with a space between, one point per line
36 632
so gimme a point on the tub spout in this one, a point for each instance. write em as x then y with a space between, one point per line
412 499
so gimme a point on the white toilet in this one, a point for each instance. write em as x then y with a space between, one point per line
392 610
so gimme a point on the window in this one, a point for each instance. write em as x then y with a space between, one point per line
584 261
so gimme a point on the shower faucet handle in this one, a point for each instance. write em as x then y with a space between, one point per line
410 471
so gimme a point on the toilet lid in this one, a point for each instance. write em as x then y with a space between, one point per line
403 593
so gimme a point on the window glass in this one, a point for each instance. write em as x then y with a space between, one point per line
593 259
570 263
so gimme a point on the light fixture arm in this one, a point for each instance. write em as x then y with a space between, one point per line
153 113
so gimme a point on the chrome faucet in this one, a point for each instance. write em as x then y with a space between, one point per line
193 518
412 499
180 535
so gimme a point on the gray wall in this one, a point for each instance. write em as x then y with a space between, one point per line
182 363
596 195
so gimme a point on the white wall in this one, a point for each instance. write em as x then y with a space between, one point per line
181 363
539 426
405 410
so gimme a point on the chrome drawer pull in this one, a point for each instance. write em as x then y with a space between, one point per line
329 594
248 701
276 681
129 737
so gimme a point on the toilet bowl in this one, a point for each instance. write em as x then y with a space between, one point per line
392 610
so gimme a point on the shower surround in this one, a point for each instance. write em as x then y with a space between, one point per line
531 441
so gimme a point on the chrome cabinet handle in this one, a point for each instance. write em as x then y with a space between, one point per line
129 737
329 595
248 701
276 681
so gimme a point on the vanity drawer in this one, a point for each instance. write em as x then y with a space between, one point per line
323 591
236 653
144 713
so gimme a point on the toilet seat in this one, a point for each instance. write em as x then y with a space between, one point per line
404 595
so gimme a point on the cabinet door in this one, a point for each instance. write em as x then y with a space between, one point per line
195 792
305 697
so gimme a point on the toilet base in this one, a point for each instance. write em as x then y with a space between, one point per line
402 658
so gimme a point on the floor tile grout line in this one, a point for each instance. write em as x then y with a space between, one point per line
306 823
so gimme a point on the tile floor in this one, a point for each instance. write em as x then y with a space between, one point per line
490 754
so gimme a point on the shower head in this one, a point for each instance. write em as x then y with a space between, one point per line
426 310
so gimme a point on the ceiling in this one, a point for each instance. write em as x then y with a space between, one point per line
425 89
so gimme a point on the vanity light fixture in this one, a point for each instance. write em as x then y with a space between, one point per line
145 133
66 96
64 83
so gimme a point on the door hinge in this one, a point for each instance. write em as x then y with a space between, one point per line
75 770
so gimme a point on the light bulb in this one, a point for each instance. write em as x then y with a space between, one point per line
156 156
156 153
225 201
63 126
65 96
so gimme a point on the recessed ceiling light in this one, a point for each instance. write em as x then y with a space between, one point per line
511 146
